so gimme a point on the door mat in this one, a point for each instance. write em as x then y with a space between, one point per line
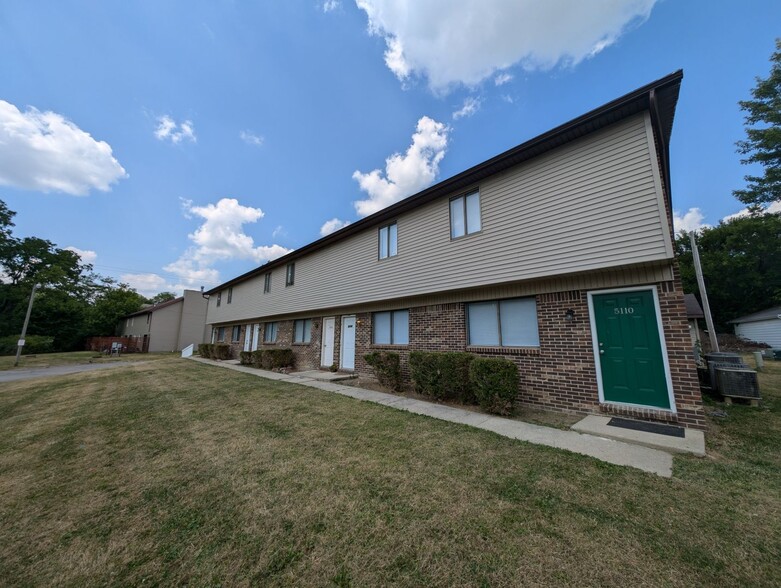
669 430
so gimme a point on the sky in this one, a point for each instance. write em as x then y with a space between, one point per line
176 144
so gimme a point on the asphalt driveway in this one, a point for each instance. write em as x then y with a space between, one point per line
59 370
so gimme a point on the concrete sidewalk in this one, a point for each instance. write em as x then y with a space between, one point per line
616 452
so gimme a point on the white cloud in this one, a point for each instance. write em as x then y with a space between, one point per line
251 138
507 98
332 225
471 105
468 41
220 237
404 174
774 208
330 5
168 129
46 152
86 255
279 232
503 78
688 222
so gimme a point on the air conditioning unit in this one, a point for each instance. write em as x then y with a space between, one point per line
738 383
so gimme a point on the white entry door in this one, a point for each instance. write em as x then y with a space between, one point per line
327 354
255 336
347 355
247 337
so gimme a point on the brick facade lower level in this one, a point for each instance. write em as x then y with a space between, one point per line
558 375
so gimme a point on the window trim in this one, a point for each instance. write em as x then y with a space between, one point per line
392 323
306 332
290 274
266 331
237 330
230 295
221 334
267 282
498 302
219 297
464 196
388 243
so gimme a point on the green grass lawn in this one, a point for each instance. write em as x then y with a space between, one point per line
71 358
173 472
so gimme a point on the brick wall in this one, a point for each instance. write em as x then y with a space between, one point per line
561 373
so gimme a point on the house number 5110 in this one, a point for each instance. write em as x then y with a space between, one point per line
624 310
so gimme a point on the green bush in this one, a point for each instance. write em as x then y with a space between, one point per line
204 350
245 357
277 358
220 351
387 368
443 376
32 344
495 384
257 358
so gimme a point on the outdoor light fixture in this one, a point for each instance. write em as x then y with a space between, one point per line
569 315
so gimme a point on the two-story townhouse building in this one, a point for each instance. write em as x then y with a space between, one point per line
556 254
168 326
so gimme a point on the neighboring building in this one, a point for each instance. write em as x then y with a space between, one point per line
693 314
761 327
556 254
169 326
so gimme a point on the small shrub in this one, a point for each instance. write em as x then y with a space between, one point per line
204 350
443 376
387 368
245 357
333 368
277 358
221 351
32 344
257 358
495 384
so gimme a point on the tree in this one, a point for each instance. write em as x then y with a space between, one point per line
763 137
162 297
741 263
110 306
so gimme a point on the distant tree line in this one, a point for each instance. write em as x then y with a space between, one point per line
73 302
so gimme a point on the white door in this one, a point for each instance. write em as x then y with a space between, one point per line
247 337
347 355
255 336
327 354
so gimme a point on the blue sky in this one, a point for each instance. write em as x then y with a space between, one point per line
180 143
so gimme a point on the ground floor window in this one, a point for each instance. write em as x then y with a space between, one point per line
235 333
270 334
391 328
221 334
302 331
503 323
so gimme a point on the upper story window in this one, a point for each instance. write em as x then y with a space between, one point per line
267 283
388 246
302 331
465 215
391 328
503 323
230 295
235 334
219 298
270 333
290 274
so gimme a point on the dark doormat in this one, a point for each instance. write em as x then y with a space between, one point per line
669 430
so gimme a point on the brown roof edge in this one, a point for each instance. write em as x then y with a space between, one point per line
659 97
154 307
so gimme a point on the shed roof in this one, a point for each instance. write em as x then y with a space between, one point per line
659 98
693 308
762 315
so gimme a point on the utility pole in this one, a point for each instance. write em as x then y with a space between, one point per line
714 342
26 321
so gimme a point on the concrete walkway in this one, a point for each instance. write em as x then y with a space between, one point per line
608 450
59 370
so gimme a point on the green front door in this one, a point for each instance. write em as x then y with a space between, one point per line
629 349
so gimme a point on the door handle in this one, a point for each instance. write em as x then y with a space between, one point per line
602 352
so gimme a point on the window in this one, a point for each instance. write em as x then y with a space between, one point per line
504 323
221 334
267 283
302 331
388 241
391 328
235 334
465 215
219 298
290 274
270 334
230 295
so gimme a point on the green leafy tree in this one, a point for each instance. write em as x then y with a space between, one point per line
763 137
162 297
741 263
114 302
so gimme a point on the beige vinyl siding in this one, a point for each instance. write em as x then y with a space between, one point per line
164 332
768 331
589 205
136 326
193 322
